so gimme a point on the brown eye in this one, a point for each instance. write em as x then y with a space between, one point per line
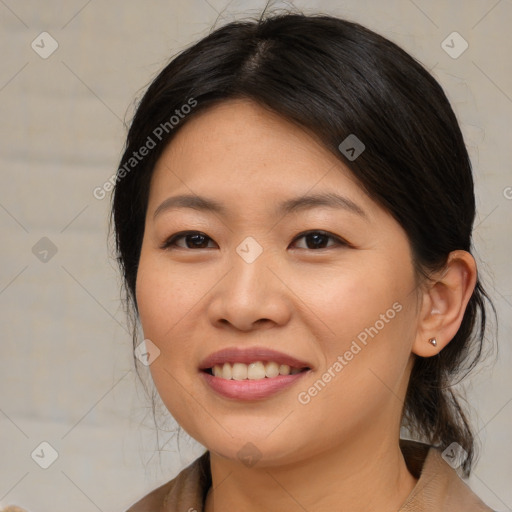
319 240
193 240
314 240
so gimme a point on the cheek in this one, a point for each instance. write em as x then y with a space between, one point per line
348 299
152 301
169 299
163 295
164 299
367 316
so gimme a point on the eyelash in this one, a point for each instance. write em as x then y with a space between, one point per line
171 241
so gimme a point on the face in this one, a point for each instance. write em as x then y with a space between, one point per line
330 284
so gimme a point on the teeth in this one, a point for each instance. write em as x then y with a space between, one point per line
256 371
253 371
227 372
239 371
284 369
272 370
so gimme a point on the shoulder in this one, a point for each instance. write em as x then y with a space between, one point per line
185 492
439 486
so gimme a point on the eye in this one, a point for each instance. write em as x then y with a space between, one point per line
193 240
319 239
197 240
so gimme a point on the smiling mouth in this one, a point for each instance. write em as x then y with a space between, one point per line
253 371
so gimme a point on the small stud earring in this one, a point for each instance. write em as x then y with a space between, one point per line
433 341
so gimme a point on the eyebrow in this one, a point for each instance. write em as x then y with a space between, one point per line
293 205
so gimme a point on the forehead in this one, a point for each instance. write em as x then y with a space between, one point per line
245 154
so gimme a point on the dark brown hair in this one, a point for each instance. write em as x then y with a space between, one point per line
334 78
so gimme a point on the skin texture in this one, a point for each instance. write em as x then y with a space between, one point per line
339 451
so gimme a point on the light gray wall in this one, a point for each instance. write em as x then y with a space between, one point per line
66 362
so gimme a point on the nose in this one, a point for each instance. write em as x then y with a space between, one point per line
250 296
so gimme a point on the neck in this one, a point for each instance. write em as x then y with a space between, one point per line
358 476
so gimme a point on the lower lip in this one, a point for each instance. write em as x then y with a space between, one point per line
257 389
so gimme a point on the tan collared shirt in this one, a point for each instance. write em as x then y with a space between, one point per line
438 489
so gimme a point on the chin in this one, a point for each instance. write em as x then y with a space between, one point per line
251 452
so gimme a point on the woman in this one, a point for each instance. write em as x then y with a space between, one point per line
293 216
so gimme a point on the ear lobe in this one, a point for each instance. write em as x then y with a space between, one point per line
444 302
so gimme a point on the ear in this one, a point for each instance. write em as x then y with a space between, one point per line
444 300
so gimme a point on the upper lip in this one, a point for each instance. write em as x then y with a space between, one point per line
250 355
